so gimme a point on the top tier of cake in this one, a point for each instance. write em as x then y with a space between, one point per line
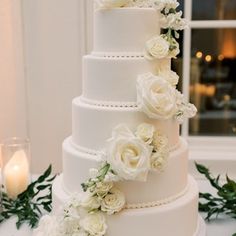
124 31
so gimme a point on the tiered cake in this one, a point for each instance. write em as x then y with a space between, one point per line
166 203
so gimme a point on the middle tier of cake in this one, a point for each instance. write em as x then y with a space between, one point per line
93 124
165 185
113 79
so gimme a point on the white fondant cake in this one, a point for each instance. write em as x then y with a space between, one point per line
124 31
165 202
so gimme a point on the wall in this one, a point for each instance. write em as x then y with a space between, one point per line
13 113
53 39
41 47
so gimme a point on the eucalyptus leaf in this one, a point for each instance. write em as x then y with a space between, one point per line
224 202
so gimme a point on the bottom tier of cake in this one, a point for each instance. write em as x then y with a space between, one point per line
179 217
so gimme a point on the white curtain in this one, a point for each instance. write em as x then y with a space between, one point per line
41 47
54 43
12 79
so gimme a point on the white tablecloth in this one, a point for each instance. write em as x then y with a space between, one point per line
219 227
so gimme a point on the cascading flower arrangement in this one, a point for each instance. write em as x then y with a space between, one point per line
129 156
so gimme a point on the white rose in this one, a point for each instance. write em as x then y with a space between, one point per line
128 155
170 76
156 97
157 48
159 160
102 188
145 132
112 3
48 226
113 202
160 142
90 202
94 224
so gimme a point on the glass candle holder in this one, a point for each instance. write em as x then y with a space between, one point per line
15 166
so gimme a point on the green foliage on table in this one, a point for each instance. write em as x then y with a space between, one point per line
224 202
28 205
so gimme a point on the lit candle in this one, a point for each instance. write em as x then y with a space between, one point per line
16 174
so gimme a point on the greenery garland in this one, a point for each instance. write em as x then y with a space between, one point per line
224 202
28 207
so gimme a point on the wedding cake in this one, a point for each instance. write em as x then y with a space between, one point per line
125 167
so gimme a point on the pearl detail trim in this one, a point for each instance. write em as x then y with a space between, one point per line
108 103
157 203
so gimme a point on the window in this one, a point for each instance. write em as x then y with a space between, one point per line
208 68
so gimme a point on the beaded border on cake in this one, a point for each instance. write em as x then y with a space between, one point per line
108 103
119 54
157 203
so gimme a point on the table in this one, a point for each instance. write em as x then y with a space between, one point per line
220 227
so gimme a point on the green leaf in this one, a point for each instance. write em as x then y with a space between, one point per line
224 203
28 205
202 169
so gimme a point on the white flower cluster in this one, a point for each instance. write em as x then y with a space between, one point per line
159 99
165 5
160 47
48 226
165 45
184 109
132 156
129 157
173 21
156 96
84 215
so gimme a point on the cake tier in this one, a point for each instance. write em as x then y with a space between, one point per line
179 217
113 79
93 125
124 31
163 185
